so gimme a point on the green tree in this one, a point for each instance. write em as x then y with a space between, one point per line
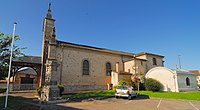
5 44
125 82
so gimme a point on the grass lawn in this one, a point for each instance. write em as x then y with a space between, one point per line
15 104
83 95
173 95
108 93
12 103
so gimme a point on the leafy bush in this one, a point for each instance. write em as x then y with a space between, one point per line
135 86
198 85
61 88
39 91
153 85
3 89
114 88
125 82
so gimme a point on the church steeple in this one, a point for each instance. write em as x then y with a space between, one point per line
49 12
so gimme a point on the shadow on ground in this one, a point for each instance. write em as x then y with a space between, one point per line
142 97
24 103
139 97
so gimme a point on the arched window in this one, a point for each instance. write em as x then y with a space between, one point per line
85 67
187 81
154 61
108 69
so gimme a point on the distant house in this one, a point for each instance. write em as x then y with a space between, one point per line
197 75
174 80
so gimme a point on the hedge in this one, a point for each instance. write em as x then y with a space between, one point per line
3 89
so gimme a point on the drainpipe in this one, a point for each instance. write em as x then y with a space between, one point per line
122 63
175 82
61 63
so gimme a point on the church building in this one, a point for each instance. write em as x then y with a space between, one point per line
81 67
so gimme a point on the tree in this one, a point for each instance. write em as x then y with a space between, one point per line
125 82
5 44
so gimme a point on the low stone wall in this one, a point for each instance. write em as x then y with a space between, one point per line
74 88
187 89
21 87
4 84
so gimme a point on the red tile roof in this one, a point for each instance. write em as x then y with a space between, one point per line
196 72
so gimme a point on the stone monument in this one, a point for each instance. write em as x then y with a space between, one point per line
50 90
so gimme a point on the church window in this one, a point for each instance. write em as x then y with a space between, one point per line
108 69
141 63
187 81
154 61
85 67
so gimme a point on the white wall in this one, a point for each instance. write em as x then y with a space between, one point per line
114 78
165 77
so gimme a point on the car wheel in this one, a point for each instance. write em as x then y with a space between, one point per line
129 97
116 97
135 95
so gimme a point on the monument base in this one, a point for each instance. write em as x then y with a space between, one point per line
50 93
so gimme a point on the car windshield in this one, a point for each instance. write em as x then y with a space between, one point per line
119 87
122 87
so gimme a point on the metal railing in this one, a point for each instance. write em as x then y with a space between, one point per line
19 87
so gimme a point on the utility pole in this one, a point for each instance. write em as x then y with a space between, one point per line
179 60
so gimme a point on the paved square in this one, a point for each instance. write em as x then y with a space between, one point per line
136 104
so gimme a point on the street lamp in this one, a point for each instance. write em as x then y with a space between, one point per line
179 60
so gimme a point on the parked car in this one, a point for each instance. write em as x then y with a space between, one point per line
125 91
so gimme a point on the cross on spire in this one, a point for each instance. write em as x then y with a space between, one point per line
49 8
49 12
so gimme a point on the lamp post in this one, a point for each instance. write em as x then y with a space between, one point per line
8 81
179 60
137 76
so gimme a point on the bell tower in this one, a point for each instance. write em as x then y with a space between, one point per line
48 26
50 90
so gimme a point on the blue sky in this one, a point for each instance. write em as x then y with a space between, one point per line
165 27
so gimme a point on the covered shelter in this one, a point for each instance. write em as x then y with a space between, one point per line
26 70
26 79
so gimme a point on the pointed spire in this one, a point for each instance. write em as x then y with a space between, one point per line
49 11
49 8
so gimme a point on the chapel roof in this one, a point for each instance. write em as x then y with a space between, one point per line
146 53
173 71
94 48
135 59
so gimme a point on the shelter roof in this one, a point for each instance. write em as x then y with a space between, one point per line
28 59
27 70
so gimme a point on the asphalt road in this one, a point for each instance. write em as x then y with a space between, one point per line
140 103
135 104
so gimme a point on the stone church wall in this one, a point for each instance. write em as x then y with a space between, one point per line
70 69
